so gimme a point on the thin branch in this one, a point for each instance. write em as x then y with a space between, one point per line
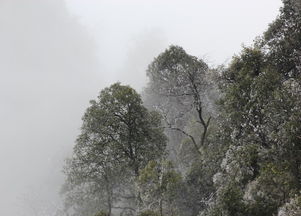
205 131
189 136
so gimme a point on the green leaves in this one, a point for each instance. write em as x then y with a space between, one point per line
282 39
160 185
119 136
261 169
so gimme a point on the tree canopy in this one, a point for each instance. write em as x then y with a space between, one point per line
240 122
119 136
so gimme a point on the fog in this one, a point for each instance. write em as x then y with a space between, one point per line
55 56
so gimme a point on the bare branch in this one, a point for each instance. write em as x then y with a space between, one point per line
189 136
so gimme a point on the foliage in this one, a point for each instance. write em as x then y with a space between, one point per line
241 156
282 39
261 169
183 89
118 138
292 208
179 88
160 184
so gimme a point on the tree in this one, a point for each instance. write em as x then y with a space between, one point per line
261 168
119 136
180 82
282 40
161 186
183 89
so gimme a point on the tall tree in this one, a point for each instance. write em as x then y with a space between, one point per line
118 138
179 82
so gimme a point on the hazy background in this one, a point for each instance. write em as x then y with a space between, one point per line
56 55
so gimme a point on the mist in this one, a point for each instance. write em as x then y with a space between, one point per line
55 56
48 73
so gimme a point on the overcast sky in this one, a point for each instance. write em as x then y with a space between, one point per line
132 32
55 56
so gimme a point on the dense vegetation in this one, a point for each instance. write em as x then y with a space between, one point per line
205 141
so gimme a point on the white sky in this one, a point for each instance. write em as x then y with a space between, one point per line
51 66
132 32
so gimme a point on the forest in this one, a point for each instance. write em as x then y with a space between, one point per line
198 141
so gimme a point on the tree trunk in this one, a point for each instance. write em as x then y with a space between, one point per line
161 207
